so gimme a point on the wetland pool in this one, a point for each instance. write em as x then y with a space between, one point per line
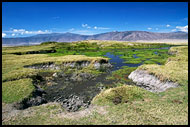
86 90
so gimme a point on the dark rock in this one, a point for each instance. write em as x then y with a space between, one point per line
73 103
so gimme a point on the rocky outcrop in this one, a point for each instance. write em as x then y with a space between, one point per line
150 82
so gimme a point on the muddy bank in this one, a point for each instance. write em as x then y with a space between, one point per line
102 64
35 52
73 90
37 98
150 82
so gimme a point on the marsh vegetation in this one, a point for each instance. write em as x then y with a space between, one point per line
80 74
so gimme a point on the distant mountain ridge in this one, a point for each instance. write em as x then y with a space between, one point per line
117 36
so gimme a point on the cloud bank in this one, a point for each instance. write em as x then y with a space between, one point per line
4 34
16 32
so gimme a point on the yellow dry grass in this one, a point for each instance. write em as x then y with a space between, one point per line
175 69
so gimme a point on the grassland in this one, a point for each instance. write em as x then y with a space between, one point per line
122 105
13 71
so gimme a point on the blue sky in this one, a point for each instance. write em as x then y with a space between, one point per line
20 19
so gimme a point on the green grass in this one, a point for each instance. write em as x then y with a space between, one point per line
13 70
175 68
24 49
121 75
15 91
13 65
121 94
122 105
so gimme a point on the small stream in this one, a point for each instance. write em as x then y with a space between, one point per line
118 62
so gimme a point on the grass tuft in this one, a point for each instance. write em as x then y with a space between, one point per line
121 94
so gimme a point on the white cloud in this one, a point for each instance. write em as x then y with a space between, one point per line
101 28
167 25
95 27
17 32
182 28
149 28
86 26
173 30
4 34
23 31
156 28
26 32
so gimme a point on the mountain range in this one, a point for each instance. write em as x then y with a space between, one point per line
118 36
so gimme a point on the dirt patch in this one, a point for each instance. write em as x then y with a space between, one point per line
83 113
9 111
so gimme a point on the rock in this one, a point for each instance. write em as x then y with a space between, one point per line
96 65
150 82
73 103
55 75
72 65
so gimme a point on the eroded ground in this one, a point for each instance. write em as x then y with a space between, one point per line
35 73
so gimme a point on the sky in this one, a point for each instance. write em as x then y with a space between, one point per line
21 19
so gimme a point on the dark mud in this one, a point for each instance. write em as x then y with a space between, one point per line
35 52
74 94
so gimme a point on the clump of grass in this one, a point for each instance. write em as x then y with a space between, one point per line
175 68
122 74
121 94
14 91
133 61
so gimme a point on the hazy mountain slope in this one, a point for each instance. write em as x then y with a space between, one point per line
118 36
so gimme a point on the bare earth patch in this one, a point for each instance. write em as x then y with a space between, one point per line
83 113
11 113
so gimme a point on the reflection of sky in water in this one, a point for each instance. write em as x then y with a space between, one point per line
118 62
134 56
